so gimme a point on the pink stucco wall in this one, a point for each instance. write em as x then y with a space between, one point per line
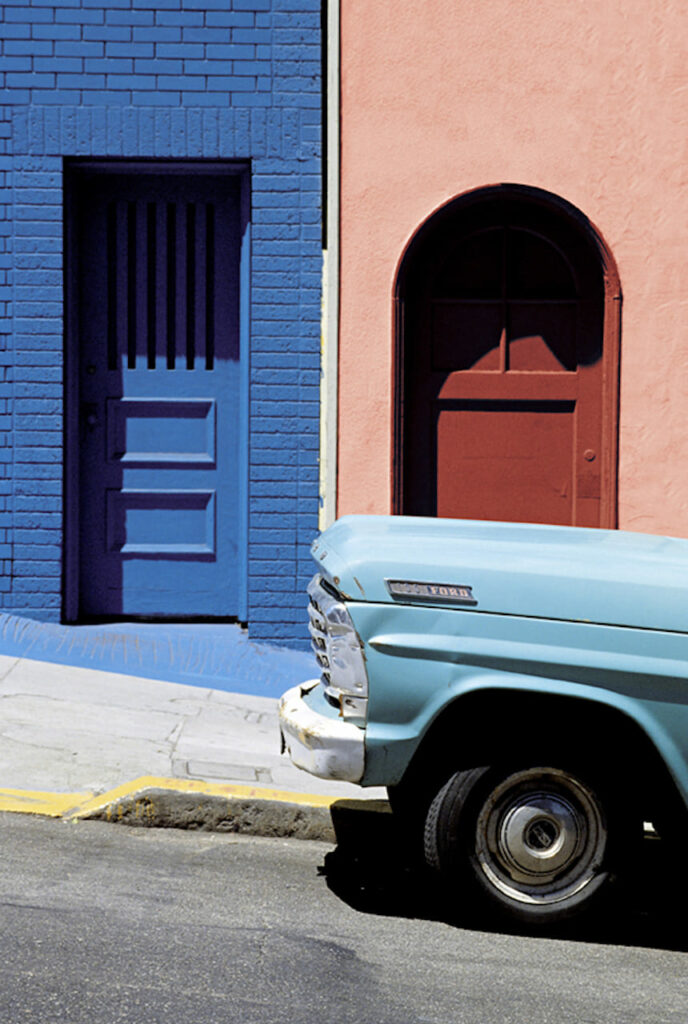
584 99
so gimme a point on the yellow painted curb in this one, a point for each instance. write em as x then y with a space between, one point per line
54 805
104 800
74 806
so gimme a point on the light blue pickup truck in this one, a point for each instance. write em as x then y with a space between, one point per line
521 690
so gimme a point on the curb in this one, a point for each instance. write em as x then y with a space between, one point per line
154 802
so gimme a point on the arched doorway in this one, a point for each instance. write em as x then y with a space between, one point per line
507 364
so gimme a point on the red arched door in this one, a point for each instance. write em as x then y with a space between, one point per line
506 409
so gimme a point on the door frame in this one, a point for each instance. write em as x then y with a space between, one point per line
611 331
74 170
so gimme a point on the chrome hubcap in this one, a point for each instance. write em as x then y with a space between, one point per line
540 836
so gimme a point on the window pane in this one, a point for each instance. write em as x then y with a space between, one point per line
465 335
536 269
474 268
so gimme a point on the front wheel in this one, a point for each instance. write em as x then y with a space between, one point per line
531 841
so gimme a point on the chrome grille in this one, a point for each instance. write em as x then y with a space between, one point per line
338 651
317 627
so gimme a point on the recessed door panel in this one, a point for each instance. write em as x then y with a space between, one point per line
149 430
150 523
506 461
157 325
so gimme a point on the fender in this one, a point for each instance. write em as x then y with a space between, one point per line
603 679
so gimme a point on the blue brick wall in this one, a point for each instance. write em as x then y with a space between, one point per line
231 79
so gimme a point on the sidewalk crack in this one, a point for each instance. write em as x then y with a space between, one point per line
174 736
11 669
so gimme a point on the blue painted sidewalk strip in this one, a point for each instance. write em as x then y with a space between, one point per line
219 656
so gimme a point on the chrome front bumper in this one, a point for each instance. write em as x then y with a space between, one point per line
327 747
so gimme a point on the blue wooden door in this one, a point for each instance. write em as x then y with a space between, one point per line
160 516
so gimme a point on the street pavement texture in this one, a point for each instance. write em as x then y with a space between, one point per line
149 926
79 741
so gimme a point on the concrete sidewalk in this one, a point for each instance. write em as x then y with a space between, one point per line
83 742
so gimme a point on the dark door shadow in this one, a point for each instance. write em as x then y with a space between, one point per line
376 868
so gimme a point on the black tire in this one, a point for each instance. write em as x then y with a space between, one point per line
410 805
529 842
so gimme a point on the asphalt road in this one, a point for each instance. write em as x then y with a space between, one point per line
105 924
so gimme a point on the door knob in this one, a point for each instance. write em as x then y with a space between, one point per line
89 414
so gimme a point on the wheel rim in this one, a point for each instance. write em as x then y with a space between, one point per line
540 836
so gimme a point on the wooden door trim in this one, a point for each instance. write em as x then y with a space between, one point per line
611 332
518 385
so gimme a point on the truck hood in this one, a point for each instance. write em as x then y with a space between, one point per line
550 572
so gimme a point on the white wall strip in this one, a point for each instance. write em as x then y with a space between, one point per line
329 384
